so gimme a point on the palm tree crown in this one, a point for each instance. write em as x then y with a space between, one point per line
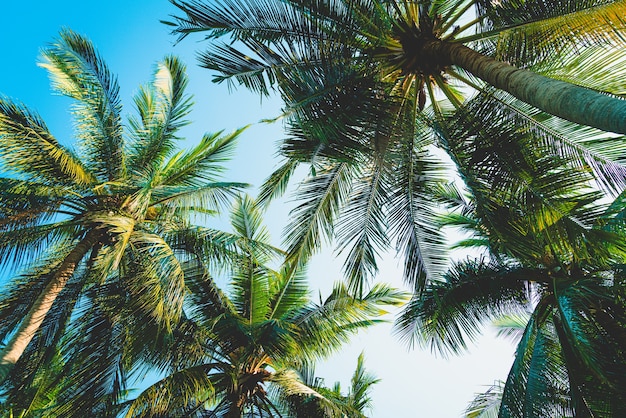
238 352
564 266
105 228
368 86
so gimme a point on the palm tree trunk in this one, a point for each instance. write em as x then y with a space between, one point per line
568 101
37 313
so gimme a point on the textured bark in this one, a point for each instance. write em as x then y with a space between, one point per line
568 101
42 305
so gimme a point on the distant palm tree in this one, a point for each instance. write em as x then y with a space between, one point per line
236 348
356 77
350 405
107 221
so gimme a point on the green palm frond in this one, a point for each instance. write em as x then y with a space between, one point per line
512 325
161 289
450 312
214 247
532 31
361 227
18 245
291 385
193 200
360 385
28 148
26 203
250 291
288 293
276 184
312 220
413 212
201 164
94 355
182 391
212 309
37 374
584 147
246 219
77 71
599 68
536 384
487 404
590 322
27 287
162 108
328 325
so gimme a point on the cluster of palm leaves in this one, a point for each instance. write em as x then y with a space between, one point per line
116 282
527 100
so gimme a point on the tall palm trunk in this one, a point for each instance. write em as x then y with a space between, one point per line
568 101
42 305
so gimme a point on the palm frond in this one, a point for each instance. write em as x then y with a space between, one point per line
162 108
193 200
276 184
25 288
585 147
95 357
361 227
413 213
28 148
182 391
360 385
533 31
487 404
26 203
77 71
203 163
161 289
289 291
597 68
450 312
326 326
537 384
312 220
511 326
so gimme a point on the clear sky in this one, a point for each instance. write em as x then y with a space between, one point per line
129 36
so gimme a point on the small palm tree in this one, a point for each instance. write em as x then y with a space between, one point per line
234 348
350 405
109 220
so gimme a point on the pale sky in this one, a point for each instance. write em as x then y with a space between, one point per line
129 36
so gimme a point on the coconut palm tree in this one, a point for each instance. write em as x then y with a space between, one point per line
367 83
235 348
563 263
108 220
351 405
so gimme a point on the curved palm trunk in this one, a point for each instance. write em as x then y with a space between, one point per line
568 101
37 313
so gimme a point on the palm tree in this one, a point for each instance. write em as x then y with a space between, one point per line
109 220
234 350
564 264
351 405
356 77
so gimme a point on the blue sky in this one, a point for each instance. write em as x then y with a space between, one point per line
130 38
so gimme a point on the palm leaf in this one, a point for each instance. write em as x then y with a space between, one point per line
181 391
28 148
77 71
449 312
162 107
312 220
